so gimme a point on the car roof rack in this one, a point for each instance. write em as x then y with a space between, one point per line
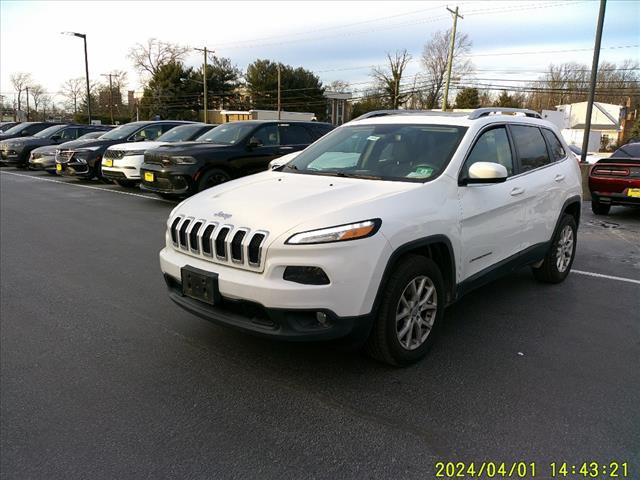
484 112
384 113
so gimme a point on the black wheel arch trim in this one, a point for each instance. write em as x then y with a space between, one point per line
408 247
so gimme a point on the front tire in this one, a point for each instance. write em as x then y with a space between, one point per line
211 178
410 312
558 260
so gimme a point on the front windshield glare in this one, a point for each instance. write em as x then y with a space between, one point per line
227 134
384 152
48 132
122 132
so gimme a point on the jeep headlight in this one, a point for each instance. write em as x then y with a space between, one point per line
339 233
183 160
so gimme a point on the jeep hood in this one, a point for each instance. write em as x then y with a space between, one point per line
278 202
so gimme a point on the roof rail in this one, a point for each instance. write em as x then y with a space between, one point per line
384 113
483 112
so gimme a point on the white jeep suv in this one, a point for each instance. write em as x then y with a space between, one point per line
374 229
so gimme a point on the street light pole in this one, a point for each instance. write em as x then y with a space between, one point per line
86 68
279 104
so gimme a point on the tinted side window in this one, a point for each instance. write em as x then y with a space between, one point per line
555 147
319 130
492 146
267 135
69 134
294 135
530 146
151 132
33 129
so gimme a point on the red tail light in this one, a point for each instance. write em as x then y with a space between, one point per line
610 171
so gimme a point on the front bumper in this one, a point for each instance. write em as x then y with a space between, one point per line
74 169
42 163
125 168
354 282
177 181
284 324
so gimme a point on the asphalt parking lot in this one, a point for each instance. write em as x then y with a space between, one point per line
103 377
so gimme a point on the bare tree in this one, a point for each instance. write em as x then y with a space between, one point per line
389 78
569 83
36 92
45 101
147 59
20 82
434 61
338 86
72 90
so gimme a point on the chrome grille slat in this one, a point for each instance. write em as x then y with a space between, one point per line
225 244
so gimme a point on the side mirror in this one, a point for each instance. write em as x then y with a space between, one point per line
485 172
253 142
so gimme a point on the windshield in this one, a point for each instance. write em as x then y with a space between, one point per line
180 134
382 152
91 135
122 132
227 134
48 132
17 128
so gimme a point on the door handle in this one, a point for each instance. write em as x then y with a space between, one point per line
517 191
286 148
559 177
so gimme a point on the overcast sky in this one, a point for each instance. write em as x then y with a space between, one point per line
338 40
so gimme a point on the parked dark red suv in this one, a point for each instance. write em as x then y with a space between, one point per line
616 180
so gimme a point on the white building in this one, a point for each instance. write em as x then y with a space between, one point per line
571 118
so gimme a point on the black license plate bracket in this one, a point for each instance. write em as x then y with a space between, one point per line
200 285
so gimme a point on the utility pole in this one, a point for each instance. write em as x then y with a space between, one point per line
279 104
450 60
110 94
27 89
594 74
204 81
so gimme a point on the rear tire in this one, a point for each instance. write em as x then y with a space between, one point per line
599 208
558 260
211 178
410 312
127 183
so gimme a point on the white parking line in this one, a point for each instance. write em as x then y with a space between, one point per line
608 277
87 186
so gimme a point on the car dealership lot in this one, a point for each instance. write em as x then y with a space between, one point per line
103 377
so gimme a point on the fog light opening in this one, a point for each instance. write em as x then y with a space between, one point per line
322 319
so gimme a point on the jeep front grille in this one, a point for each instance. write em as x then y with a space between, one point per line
225 244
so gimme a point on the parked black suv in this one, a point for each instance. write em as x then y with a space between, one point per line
16 150
83 159
229 151
44 158
26 129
